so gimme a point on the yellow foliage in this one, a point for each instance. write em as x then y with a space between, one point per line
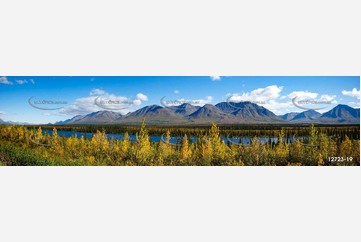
346 147
90 160
186 151
209 149
125 144
320 161
142 147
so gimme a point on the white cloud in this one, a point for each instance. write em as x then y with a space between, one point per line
328 98
176 91
94 103
137 102
202 102
320 104
2 112
354 93
81 106
265 97
21 82
141 97
47 114
301 95
97 91
278 108
215 78
194 102
86 105
4 80
260 94
354 104
270 98
24 81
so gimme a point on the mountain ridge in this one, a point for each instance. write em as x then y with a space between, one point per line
343 114
222 113
306 116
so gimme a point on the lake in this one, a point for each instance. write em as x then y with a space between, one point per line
173 139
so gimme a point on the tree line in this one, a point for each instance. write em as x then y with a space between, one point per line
260 130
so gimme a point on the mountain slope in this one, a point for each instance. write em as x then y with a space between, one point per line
341 114
248 111
209 113
154 114
185 109
306 116
74 119
100 117
288 116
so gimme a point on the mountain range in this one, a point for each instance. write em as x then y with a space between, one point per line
221 113
12 122
97 117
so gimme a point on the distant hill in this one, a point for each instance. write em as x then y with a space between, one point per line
12 122
306 116
288 116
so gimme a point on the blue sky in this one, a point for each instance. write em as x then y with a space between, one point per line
76 94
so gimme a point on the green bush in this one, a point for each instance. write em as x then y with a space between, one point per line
19 156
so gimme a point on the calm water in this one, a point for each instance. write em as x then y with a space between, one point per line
157 138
